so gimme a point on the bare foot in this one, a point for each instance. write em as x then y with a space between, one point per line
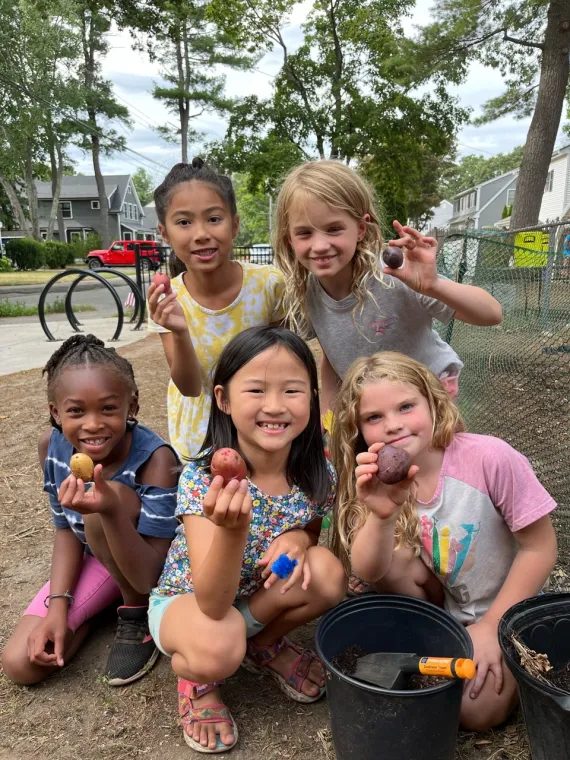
356 585
206 733
283 664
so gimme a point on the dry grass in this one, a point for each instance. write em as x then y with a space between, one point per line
41 276
74 714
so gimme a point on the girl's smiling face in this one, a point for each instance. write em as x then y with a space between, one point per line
396 414
323 238
92 405
199 226
269 400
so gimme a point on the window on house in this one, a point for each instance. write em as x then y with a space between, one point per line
129 191
95 205
473 199
66 209
74 235
124 209
456 206
43 234
136 212
510 196
549 181
130 210
127 236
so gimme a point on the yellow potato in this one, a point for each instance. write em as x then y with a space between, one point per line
82 467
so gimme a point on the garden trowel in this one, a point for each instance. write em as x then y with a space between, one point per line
389 669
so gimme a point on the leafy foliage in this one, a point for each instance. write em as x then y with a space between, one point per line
143 182
253 210
471 170
25 254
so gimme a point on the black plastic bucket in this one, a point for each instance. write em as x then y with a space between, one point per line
370 723
541 623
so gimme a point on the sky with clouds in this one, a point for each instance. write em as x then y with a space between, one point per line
133 77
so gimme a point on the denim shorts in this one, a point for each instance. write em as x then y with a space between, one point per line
158 605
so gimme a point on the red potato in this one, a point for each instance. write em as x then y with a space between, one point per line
393 464
162 279
229 464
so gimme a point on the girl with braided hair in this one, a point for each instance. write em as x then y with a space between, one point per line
112 536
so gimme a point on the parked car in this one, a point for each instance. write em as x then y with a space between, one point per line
122 254
261 253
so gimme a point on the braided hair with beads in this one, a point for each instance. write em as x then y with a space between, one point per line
86 350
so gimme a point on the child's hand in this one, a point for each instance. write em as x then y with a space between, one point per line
100 498
487 657
166 312
52 629
294 544
228 507
420 270
385 501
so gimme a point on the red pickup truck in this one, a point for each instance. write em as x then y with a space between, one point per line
122 254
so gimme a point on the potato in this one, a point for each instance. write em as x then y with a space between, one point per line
228 464
393 464
393 257
82 467
162 279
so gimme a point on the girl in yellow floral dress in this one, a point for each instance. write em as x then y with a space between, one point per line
212 301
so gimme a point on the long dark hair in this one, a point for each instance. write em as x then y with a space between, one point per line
307 464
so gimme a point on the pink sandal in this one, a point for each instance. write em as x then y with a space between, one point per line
257 659
215 713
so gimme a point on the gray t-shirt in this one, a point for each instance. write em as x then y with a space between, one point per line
400 320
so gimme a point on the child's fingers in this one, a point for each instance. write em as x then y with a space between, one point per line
225 496
237 501
479 680
79 493
98 478
295 575
365 469
363 481
497 670
211 497
66 499
431 241
58 645
306 575
273 578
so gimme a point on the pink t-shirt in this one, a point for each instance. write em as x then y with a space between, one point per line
486 492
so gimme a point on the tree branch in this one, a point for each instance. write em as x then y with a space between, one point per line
525 43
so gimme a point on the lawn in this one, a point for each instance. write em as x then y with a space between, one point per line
41 276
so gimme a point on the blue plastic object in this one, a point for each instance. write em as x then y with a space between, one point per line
283 566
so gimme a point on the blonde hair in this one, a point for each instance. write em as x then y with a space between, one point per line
347 441
341 188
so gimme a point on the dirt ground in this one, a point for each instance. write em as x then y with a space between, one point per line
74 714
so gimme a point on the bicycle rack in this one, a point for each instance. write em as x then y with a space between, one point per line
139 309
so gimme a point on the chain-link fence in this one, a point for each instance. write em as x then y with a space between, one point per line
516 380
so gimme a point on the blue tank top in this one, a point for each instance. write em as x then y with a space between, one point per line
157 504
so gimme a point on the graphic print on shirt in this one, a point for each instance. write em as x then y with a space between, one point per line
451 557
381 325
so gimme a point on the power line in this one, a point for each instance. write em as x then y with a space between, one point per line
84 125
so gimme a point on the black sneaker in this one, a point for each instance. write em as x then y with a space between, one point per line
133 652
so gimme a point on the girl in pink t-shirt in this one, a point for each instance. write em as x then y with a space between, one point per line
468 528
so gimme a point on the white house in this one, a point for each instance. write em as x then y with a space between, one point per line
556 198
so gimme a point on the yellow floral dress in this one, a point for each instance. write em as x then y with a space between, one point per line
259 302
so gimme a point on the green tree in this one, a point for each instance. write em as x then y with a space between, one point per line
345 93
471 170
528 42
142 180
190 49
254 213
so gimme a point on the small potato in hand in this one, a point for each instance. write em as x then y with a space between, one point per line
162 279
393 464
229 464
82 467
393 257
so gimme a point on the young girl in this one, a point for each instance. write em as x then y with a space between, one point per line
111 539
218 599
468 528
327 243
214 298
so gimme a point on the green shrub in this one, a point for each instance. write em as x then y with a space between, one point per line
58 254
5 265
26 254
81 248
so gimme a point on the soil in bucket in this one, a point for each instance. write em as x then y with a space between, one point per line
542 624
371 723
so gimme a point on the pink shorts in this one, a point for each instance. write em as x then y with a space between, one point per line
94 590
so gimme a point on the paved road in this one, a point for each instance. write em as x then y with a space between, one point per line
99 297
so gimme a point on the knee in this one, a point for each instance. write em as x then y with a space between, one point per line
328 578
220 653
480 715
17 666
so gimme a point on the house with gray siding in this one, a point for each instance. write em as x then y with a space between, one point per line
482 205
79 204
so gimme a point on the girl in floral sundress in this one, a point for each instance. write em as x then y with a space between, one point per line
220 598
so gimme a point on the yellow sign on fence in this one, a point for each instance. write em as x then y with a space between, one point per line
531 249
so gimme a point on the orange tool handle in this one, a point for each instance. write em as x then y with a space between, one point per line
450 667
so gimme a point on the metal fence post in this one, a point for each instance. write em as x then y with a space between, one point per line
548 271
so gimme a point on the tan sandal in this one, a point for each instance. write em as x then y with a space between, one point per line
257 659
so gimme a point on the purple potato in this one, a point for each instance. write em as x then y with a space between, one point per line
393 465
393 257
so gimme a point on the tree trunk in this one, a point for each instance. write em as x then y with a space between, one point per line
103 202
56 178
541 136
183 103
32 194
16 205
